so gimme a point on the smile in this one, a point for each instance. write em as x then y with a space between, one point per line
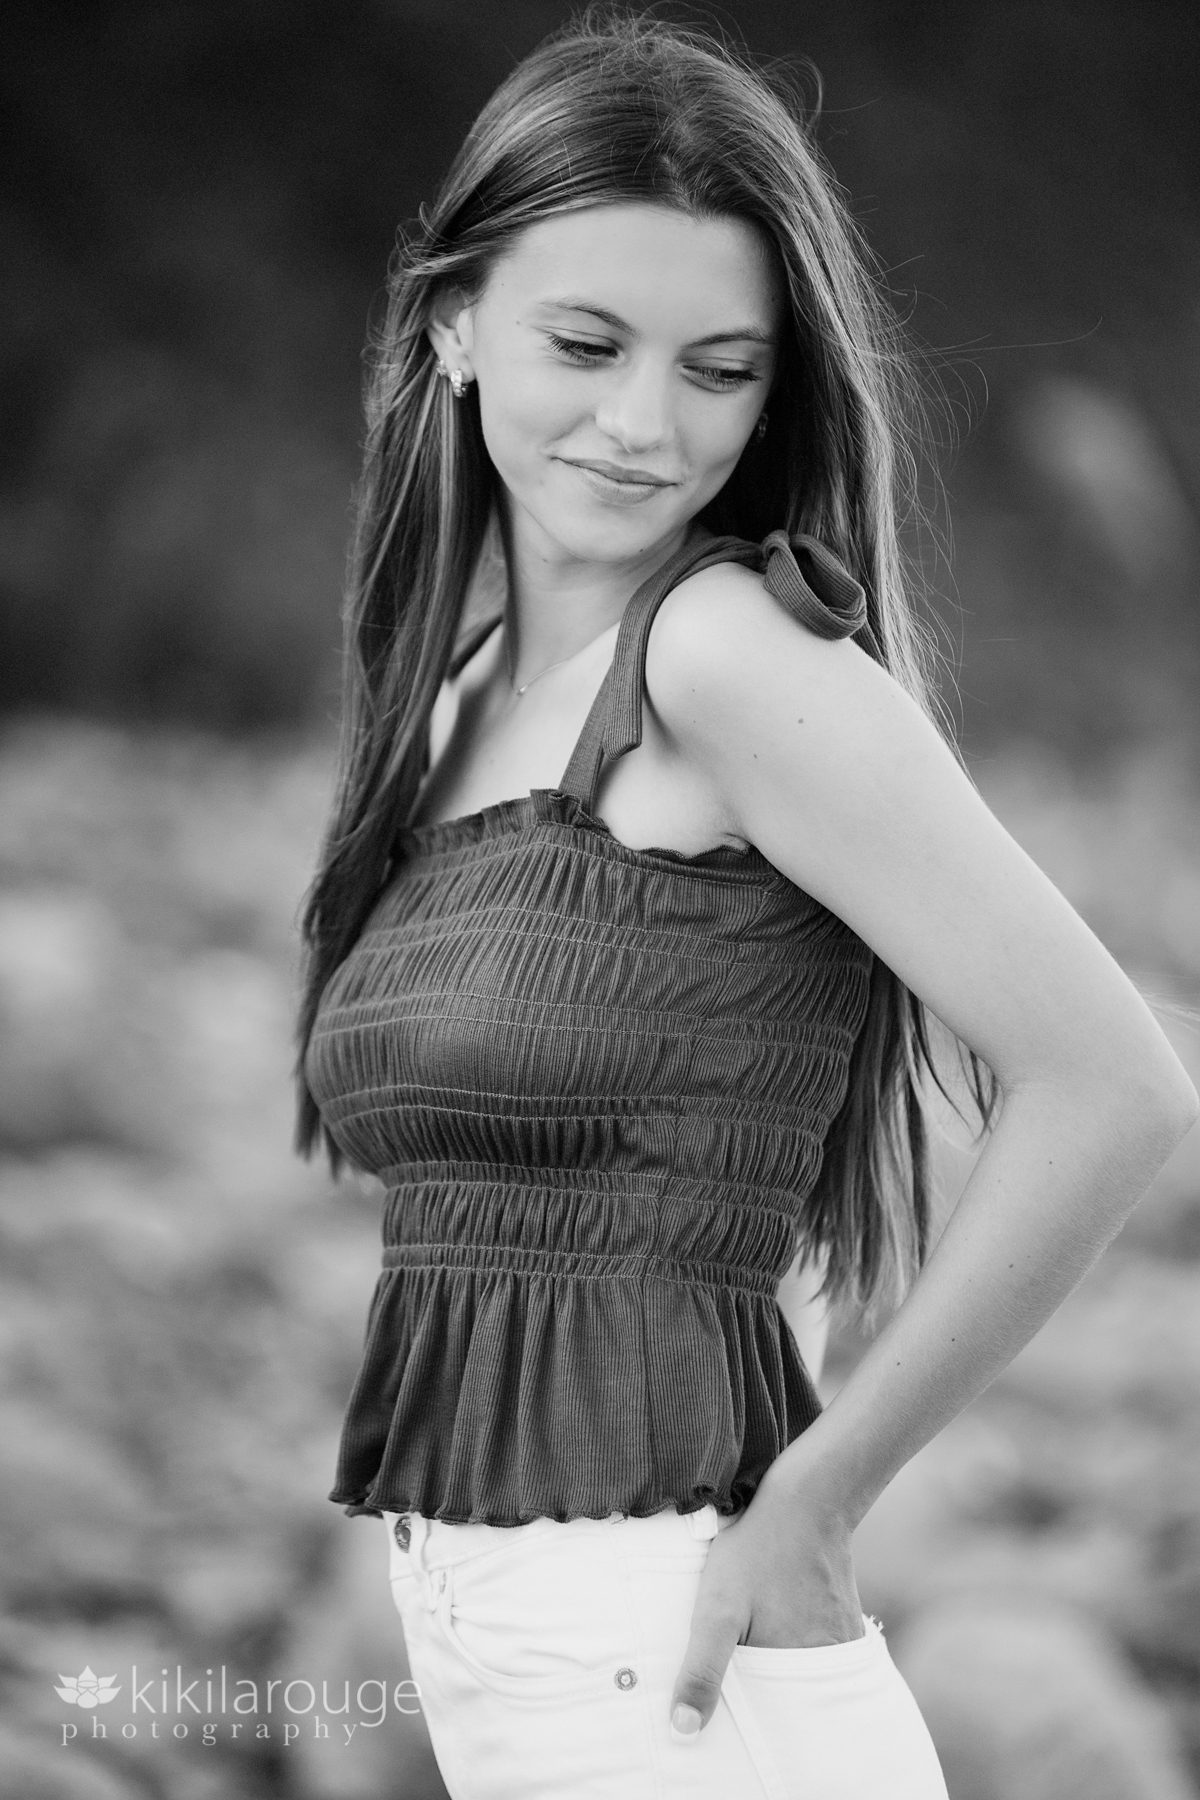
624 486
614 471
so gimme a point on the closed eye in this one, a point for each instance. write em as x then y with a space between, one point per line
728 378
590 355
578 350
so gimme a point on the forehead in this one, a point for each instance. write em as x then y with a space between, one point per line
651 265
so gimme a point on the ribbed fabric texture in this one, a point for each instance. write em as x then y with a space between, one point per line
596 1082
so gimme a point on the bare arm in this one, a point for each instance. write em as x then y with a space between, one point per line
822 761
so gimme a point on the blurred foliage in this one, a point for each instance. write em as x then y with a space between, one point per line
182 1305
200 199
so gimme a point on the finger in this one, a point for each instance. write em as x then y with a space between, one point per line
698 1686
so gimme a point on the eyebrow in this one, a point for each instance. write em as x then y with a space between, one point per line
753 334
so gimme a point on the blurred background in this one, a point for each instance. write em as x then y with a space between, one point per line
199 202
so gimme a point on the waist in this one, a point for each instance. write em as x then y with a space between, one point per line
587 1225
574 1265
437 1543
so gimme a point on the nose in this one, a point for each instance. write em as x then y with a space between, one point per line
634 408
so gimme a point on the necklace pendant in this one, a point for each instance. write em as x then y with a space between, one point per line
549 668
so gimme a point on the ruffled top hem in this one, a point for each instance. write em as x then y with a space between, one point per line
375 1507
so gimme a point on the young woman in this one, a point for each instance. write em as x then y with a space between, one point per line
634 896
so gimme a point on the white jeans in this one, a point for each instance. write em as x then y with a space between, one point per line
545 1656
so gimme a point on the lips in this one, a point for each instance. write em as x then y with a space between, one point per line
615 472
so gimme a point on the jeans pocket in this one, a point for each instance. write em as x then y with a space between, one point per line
794 1662
541 1618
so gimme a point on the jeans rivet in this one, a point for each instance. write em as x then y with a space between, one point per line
625 1678
402 1531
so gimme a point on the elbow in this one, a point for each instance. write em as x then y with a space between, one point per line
1185 1104
1170 1092
1157 1081
1161 1104
1148 1105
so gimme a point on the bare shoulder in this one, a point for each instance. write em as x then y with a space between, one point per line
811 751
808 748
726 662
708 615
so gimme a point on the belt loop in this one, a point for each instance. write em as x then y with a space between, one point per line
704 1522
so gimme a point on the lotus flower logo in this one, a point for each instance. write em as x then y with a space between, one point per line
88 1689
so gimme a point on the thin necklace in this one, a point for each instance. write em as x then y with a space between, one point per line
525 685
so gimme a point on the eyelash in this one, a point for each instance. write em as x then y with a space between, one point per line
586 355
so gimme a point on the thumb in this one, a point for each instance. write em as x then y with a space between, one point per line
698 1686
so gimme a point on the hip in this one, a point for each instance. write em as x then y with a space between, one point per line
545 1656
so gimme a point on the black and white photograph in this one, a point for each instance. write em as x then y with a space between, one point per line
600 901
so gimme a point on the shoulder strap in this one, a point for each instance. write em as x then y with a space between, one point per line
798 571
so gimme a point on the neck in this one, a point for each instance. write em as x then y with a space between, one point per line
556 603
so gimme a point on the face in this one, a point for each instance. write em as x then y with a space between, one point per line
623 355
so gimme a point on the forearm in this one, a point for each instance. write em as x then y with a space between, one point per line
1055 1183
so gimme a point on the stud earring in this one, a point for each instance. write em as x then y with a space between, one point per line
760 430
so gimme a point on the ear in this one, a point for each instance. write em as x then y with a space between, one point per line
451 330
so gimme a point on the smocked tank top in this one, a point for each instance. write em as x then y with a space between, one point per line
595 1082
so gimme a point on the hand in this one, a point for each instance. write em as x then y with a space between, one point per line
779 1577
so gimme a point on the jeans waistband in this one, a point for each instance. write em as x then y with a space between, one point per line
435 1544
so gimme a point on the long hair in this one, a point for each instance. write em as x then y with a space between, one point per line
618 107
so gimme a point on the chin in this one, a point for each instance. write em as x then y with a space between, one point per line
618 540
611 534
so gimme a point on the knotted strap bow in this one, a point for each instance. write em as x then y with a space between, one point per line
814 585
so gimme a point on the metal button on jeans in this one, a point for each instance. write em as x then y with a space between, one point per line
625 1678
402 1530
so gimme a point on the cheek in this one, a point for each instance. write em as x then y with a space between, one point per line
523 412
719 436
